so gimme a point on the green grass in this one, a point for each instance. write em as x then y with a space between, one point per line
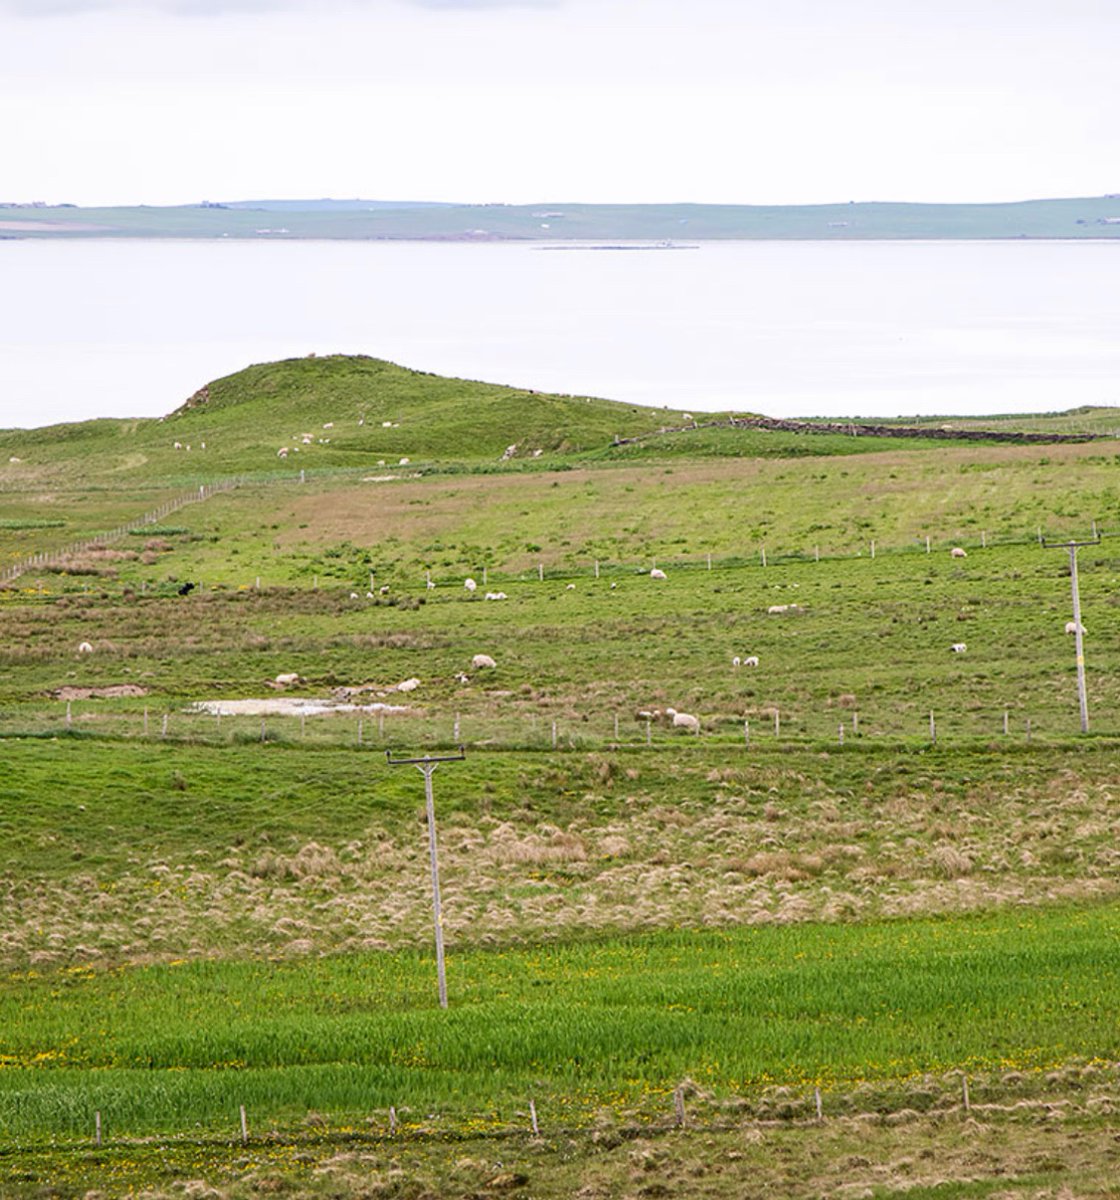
614 1024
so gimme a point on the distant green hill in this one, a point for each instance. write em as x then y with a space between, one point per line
328 413
1089 217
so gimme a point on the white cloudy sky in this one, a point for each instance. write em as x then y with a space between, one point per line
737 101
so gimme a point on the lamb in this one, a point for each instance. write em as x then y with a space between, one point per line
958 552
496 596
658 573
282 452
85 648
751 660
431 586
683 720
958 647
383 590
570 588
482 660
462 677
470 585
1072 627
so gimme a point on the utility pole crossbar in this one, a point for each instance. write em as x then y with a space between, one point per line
426 766
1079 646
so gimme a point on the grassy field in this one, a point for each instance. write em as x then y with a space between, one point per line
821 889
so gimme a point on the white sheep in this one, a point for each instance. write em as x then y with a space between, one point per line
736 661
403 462
85 648
776 609
958 552
462 677
383 590
470 585
178 445
287 679
570 588
750 660
282 452
683 720
658 573
355 596
482 660
613 586
958 647
408 685
1071 627
431 586
496 596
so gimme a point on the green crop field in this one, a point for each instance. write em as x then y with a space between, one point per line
876 870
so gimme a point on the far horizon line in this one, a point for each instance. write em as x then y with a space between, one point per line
679 203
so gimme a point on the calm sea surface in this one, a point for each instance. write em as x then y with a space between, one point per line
131 328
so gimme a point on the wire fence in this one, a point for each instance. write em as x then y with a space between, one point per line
52 559
380 728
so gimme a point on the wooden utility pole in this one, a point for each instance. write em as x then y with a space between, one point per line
426 766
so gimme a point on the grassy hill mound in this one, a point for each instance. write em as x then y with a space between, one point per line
327 413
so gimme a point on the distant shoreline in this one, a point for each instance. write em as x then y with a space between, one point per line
1088 218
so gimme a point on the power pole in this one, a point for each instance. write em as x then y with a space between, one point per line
1079 645
426 766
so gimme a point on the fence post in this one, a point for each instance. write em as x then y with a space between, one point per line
932 728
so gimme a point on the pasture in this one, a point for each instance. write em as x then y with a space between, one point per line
880 868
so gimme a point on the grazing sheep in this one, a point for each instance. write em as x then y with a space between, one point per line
613 586
470 585
354 596
408 685
683 720
431 586
736 661
85 648
482 660
751 660
570 588
775 609
462 677
658 573
178 445
496 596
958 552
403 462
369 595
383 590
958 647
287 679
282 452
1071 627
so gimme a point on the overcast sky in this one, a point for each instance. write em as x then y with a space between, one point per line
735 101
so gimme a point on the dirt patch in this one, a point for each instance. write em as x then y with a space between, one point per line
99 693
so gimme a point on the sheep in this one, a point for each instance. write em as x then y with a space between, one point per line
496 596
462 677
287 679
403 462
751 660
282 452
683 720
776 609
431 586
613 586
178 445
328 424
658 573
386 424
408 685
958 552
85 648
470 585
958 647
355 596
570 588
482 660
1072 627
369 595
383 590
